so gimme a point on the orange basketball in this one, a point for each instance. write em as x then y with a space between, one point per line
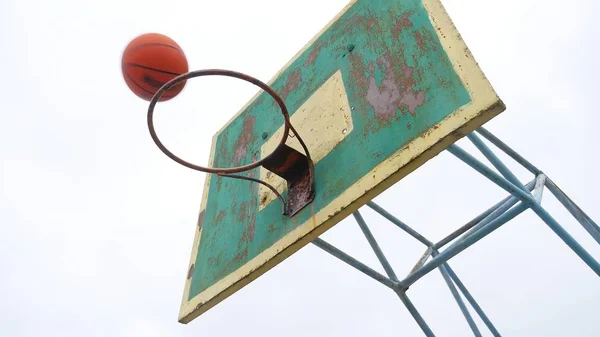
151 60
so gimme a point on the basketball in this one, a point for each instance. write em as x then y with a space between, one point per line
151 60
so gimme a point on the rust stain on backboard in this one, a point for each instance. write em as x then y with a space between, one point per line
401 24
242 212
246 136
252 228
419 39
239 257
243 240
410 99
222 151
313 54
215 260
291 83
259 100
425 41
358 72
220 216
405 20
367 21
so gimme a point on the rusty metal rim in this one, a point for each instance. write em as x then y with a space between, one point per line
228 73
226 172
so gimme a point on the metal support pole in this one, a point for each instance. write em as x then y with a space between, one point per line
355 263
375 246
466 243
415 314
510 152
494 215
459 301
586 222
528 199
399 223
498 164
472 301
522 198
476 220
390 272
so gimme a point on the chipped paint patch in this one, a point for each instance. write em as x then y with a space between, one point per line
384 98
394 93
200 220
190 271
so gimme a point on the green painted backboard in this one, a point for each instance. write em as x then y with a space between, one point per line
387 85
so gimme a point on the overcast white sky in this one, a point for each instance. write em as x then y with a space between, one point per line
96 224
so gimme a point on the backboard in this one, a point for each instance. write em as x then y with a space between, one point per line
384 87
